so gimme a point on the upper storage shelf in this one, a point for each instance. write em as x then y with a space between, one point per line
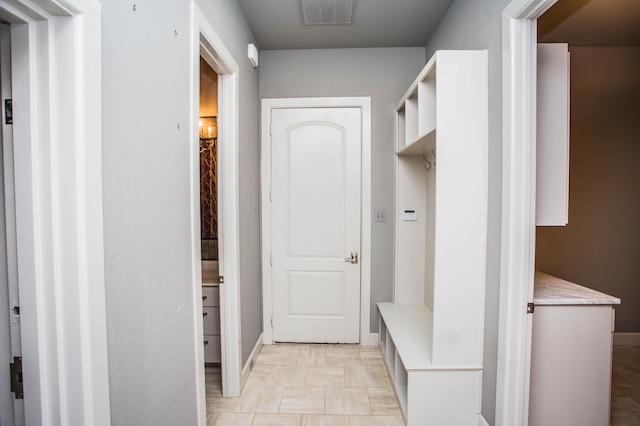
416 114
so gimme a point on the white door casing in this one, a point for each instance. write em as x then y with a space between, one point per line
315 193
15 346
206 42
57 179
364 105
519 47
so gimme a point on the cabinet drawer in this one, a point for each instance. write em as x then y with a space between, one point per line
210 296
211 348
211 320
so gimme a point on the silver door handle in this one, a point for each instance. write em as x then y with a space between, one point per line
353 258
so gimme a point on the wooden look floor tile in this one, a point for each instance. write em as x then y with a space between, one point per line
277 420
375 421
342 357
287 376
309 356
325 376
259 399
383 402
235 419
259 374
347 401
221 404
272 355
211 418
325 420
303 400
366 376
369 357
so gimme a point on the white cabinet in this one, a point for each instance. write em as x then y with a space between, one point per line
431 336
571 354
552 140
211 323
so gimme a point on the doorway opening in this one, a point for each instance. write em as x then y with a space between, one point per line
594 248
208 136
207 47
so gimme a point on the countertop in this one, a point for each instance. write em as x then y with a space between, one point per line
550 290
210 273
210 278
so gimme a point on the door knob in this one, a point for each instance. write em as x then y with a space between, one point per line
353 258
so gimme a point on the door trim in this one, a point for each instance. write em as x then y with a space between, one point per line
59 245
364 103
519 47
205 42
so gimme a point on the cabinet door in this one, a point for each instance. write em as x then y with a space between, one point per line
552 157
570 365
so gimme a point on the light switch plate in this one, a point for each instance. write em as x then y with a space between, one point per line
380 216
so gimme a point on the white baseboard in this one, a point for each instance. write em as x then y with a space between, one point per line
630 339
482 421
373 339
248 366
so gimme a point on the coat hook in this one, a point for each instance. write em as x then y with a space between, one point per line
428 165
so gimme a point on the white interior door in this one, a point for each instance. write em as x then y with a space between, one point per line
315 208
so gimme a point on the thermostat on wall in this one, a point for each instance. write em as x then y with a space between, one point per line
409 214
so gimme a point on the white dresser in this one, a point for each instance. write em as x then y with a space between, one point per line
211 323
211 312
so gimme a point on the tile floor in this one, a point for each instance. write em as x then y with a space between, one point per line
346 385
625 386
309 385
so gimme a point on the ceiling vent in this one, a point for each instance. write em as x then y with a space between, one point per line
327 12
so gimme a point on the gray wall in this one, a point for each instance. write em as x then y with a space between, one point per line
146 103
471 24
600 245
383 74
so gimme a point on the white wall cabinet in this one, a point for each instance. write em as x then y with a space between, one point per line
552 141
431 336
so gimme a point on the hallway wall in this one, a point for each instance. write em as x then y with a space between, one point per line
149 289
382 73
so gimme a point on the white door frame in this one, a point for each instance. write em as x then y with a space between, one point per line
57 194
205 42
364 103
519 46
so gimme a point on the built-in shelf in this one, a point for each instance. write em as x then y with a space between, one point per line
431 335
409 327
424 144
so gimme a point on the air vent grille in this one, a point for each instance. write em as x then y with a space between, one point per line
327 12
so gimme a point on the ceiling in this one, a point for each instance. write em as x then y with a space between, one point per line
277 24
592 23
